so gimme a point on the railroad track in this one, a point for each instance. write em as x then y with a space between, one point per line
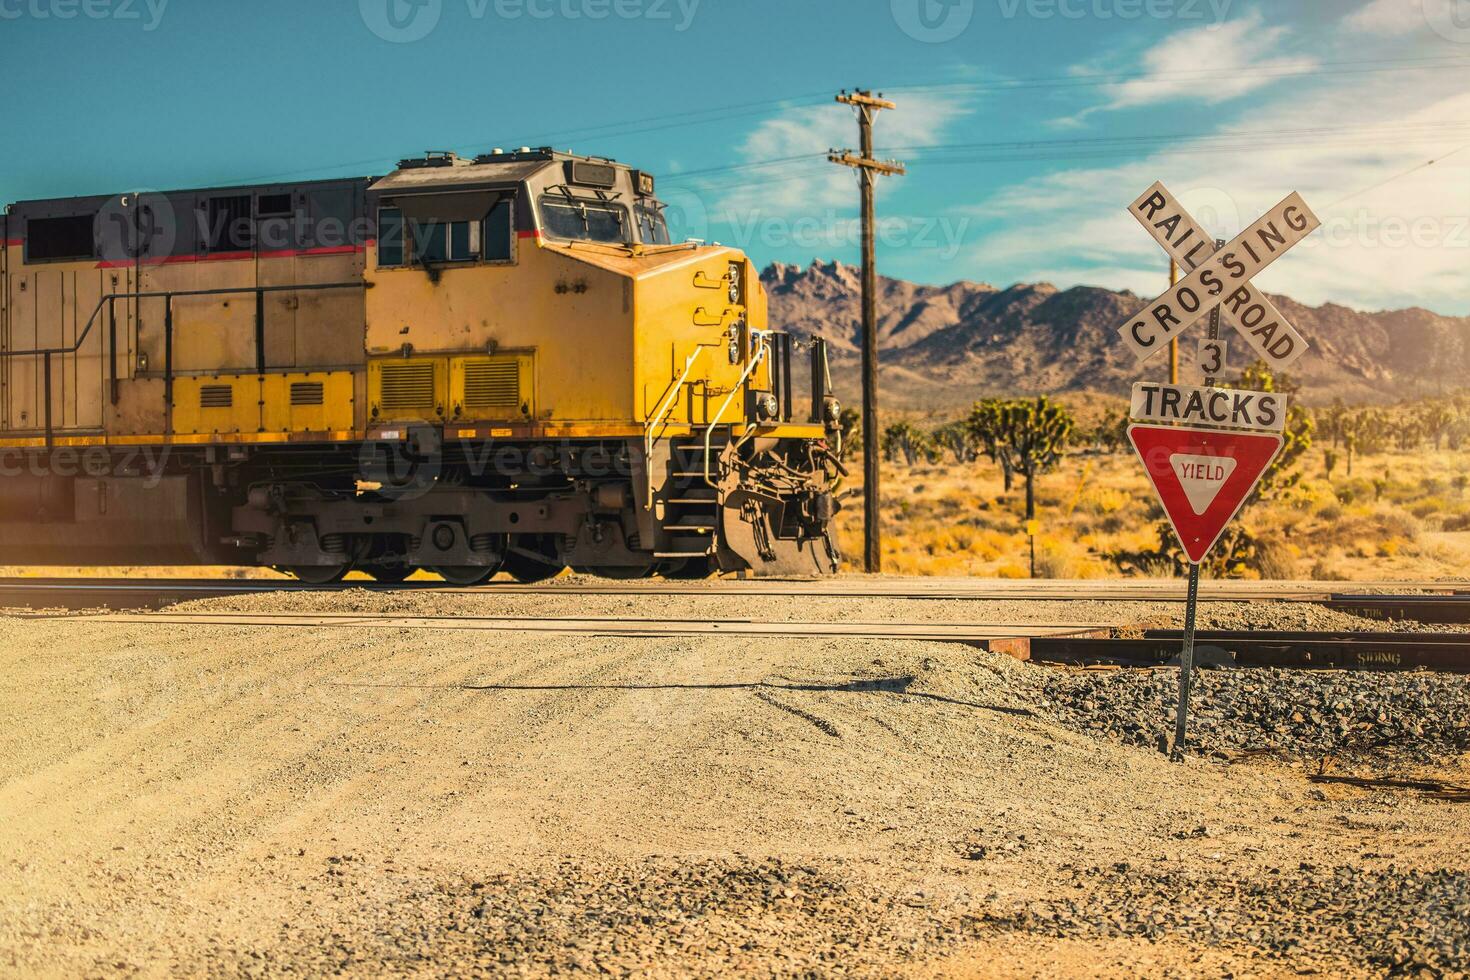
1446 652
1008 638
1428 602
1060 644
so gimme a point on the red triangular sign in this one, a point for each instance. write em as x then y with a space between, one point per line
1202 476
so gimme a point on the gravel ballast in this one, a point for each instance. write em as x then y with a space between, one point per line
1294 712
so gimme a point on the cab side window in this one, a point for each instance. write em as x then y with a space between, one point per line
406 242
390 238
499 232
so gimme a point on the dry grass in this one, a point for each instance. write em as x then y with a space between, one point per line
1400 516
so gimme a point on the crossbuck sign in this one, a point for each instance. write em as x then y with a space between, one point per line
1218 278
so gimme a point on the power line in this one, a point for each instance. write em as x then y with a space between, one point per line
1087 80
1077 148
1399 176
710 115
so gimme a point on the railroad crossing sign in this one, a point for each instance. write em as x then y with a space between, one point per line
1218 278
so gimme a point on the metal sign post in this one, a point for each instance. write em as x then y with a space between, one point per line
1211 360
1186 664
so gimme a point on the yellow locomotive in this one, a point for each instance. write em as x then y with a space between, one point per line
466 366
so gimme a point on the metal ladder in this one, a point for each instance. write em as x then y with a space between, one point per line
691 514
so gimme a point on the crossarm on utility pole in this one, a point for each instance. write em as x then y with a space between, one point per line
888 168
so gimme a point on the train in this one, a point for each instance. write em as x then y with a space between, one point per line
470 366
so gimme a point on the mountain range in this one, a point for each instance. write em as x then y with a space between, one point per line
945 346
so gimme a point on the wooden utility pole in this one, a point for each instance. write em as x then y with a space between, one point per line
869 169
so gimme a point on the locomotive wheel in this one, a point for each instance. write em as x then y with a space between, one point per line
531 558
388 574
319 574
465 576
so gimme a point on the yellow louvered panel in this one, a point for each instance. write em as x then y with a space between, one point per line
315 402
223 403
492 384
498 386
407 388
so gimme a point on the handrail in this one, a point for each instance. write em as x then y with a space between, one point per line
110 300
764 346
665 407
170 294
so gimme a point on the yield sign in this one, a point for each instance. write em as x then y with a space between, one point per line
1202 477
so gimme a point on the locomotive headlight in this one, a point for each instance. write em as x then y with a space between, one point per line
736 292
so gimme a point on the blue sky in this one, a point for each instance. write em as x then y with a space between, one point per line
1027 125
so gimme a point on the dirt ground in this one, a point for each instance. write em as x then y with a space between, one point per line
253 801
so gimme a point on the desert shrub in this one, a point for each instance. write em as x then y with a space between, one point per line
1430 506
1273 559
1396 523
1104 500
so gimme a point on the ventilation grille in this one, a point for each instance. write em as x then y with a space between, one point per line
216 396
306 393
492 384
406 387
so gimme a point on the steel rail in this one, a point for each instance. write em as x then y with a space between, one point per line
1444 652
153 593
1008 638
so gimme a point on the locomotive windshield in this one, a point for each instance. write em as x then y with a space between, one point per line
652 229
588 221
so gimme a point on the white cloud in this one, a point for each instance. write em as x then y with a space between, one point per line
814 186
1208 65
1406 242
1390 16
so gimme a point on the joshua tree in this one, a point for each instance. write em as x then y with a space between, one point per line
1331 422
1437 420
1282 474
850 422
959 439
904 438
1028 437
